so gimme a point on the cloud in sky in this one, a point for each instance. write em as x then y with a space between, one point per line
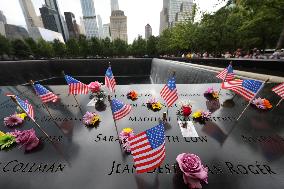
138 12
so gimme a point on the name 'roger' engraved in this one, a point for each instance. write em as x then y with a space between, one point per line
16 166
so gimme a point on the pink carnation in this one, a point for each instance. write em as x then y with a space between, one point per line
26 138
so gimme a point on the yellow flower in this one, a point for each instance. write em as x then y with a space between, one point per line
127 130
1 133
157 106
215 95
22 115
197 114
95 119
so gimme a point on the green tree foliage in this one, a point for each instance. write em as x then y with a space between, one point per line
120 48
84 46
73 48
152 46
107 47
59 48
45 49
96 47
138 47
5 46
33 46
21 49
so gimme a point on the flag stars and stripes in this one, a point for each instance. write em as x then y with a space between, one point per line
252 85
110 82
45 94
169 92
119 109
279 90
28 108
227 74
75 86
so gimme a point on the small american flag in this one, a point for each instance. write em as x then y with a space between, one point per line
27 107
109 80
45 94
169 92
75 86
279 90
227 74
119 109
148 148
245 88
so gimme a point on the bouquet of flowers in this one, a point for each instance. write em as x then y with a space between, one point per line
211 94
15 120
201 116
262 103
133 95
184 111
154 105
123 137
91 119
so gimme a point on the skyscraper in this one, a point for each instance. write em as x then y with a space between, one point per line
118 25
114 5
100 29
106 31
73 28
89 16
185 12
3 17
53 11
148 31
174 8
32 20
164 16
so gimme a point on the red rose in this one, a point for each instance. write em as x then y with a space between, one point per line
186 110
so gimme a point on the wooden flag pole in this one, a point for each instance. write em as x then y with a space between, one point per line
224 80
63 73
279 102
45 106
251 100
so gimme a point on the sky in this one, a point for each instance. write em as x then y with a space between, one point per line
139 12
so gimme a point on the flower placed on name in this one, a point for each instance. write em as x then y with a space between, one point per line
91 119
26 138
211 94
133 95
95 87
13 120
22 115
201 116
263 104
123 137
154 105
193 170
6 140
184 111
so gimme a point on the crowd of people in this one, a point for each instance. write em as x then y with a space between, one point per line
239 53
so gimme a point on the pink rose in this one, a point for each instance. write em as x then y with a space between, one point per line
193 170
95 87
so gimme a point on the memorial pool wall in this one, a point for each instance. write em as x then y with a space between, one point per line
135 70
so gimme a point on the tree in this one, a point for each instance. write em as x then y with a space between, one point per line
21 49
72 48
5 46
151 46
59 48
120 48
45 49
84 46
96 46
107 47
33 46
139 47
